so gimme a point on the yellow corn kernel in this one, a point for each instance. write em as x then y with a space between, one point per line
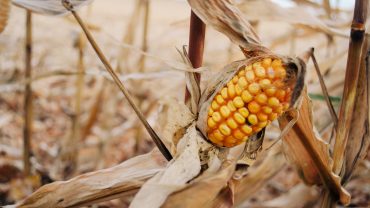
250 76
272 116
219 99
276 63
230 140
280 94
254 107
217 134
265 83
260 72
231 91
262 117
216 116
254 88
278 83
210 112
238 90
246 96
224 129
248 68
279 109
224 93
246 129
266 62
244 111
214 105
261 98
241 73
256 129
242 82
231 123
262 124
280 72
238 102
270 91
252 119
239 118
256 64
285 106
267 109
235 79
243 140
231 106
225 111
270 73
212 138
211 123
273 102
238 134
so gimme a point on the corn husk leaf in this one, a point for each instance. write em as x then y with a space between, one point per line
49 7
102 185
309 153
4 13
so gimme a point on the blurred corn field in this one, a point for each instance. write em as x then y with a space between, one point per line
198 103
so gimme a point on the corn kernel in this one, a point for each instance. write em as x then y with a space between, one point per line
280 94
279 109
239 118
211 123
285 106
242 82
273 102
246 129
219 99
262 117
248 68
225 112
256 129
231 91
267 109
239 134
270 73
256 64
246 96
243 140
238 102
266 62
216 116
250 76
224 93
272 116
210 112
252 119
212 138
235 79
214 105
278 83
244 111
231 106
265 83
270 91
217 134
260 72
262 124
231 123
280 72
230 140
276 63
238 90
254 107
241 73
261 98
254 88
224 129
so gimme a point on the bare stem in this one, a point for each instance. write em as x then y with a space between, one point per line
196 45
27 131
116 79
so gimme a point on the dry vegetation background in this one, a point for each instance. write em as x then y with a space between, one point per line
83 117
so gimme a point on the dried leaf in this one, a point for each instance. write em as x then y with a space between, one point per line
4 13
49 7
93 187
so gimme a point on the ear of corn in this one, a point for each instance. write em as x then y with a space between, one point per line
255 96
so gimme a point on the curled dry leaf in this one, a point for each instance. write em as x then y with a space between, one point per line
90 188
266 10
4 13
309 153
49 7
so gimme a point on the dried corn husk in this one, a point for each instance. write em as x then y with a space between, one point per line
49 7
4 13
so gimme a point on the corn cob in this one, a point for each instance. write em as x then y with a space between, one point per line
255 96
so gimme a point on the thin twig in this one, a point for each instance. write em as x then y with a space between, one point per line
27 131
109 68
